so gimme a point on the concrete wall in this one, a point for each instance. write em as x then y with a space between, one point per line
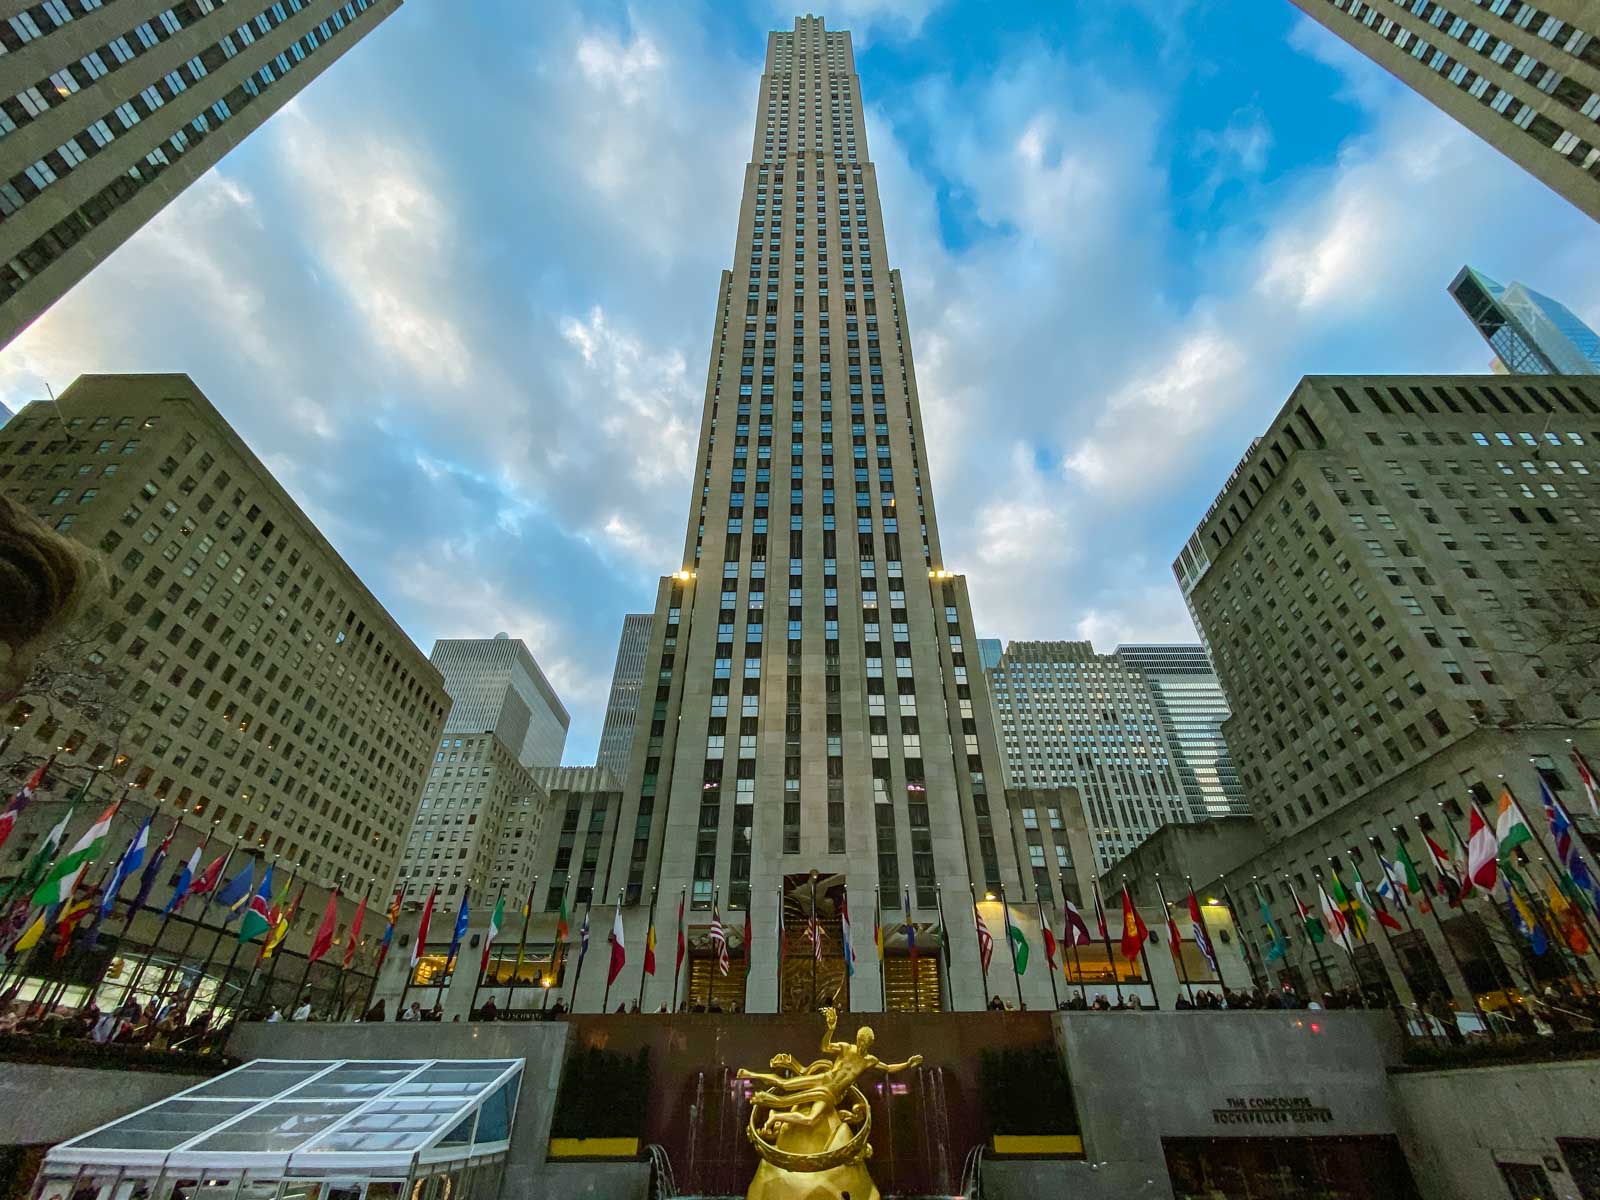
1137 1078
1456 1126
543 1046
43 1105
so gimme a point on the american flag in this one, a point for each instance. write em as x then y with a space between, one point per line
814 932
719 941
985 941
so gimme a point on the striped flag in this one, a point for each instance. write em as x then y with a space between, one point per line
23 798
1197 927
985 940
63 876
1590 789
132 858
719 941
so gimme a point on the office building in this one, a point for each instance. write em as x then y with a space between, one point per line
816 726
622 705
989 652
1393 584
237 674
498 688
1529 333
1524 79
1072 718
1191 708
109 110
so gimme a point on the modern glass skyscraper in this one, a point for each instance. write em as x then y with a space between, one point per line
1523 77
815 724
109 110
496 687
1529 333
622 706
1191 707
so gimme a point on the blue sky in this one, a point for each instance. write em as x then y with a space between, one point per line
459 295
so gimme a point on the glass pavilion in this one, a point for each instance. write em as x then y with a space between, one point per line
278 1129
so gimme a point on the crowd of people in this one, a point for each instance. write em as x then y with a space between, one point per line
150 1026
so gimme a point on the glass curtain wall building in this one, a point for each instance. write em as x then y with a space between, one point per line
1190 705
1530 334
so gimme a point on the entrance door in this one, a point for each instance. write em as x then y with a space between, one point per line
1526 1181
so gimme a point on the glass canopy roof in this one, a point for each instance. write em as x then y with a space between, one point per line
314 1117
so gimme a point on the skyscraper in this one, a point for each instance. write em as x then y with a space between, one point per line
1522 78
497 687
1191 708
1529 333
622 706
109 110
816 727
1070 717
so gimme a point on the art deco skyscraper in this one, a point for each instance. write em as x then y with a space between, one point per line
1523 77
108 111
813 701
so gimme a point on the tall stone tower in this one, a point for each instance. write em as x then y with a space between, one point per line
813 728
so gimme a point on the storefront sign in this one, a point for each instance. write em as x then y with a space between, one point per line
1271 1110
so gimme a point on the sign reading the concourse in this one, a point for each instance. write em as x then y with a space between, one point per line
1271 1110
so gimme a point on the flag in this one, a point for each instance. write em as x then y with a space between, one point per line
1483 851
393 916
39 860
496 920
72 914
63 875
235 893
1019 943
1308 920
130 862
323 941
1279 947
1334 919
186 881
877 935
1074 931
30 936
147 881
256 917
207 879
1566 853
1564 916
563 929
355 934
1589 787
281 916
619 951
650 944
1202 940
1451 884
683 944
24 797
1379 909
719 941
1355 915
844 936
583 935
911 928
1393 889
749 936
1407 877
463 915
814 928
1522 919
422 925
985 941
1174 938
1510 830
1100 916
1134 930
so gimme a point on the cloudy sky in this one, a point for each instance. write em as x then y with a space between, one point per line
459 295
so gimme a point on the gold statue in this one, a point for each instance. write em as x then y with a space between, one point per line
813 1137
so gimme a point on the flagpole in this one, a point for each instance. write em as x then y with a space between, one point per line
1144 952
166 919
1077 963
1361 890
216 992
1016 973
349 954
1277 938
1555 854
677 962
938 898
199 922
483 966
139 899
649 949
1206 929
916 970
711 975
1438 923
883 962
1301 911
977 919
222 881
291 908
780 938
1477 924
1259 981
1105 935
1055 994
583 953
1174 943
605 999
522 944
294 1004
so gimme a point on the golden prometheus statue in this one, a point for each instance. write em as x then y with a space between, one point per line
811 1124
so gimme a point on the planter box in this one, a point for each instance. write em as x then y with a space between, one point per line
594 1148
1039 1145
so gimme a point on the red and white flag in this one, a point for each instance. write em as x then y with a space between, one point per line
1483 851
985 940
1590 788
719 941
619 952
1074 930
